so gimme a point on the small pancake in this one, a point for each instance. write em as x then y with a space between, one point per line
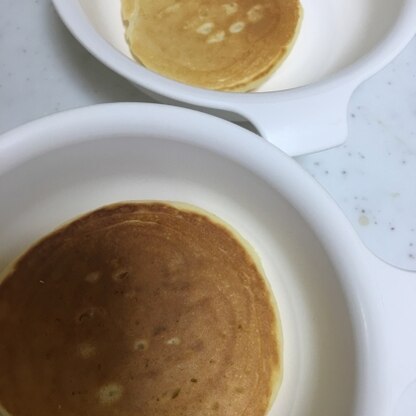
143 309
215 44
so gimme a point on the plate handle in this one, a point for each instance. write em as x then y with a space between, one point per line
299 124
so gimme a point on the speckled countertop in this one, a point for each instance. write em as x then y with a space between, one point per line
372 176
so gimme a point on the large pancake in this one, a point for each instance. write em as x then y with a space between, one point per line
138 309
215 44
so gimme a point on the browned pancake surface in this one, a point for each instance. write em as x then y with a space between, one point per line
216 44
137 309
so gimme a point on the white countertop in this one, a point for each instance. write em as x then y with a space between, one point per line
372 177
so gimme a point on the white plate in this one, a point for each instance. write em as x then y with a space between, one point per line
334 34
302 108
337 357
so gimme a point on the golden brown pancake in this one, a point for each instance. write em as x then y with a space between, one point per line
138 309
216 44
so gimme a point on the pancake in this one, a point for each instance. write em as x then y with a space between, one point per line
143 309
215 44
